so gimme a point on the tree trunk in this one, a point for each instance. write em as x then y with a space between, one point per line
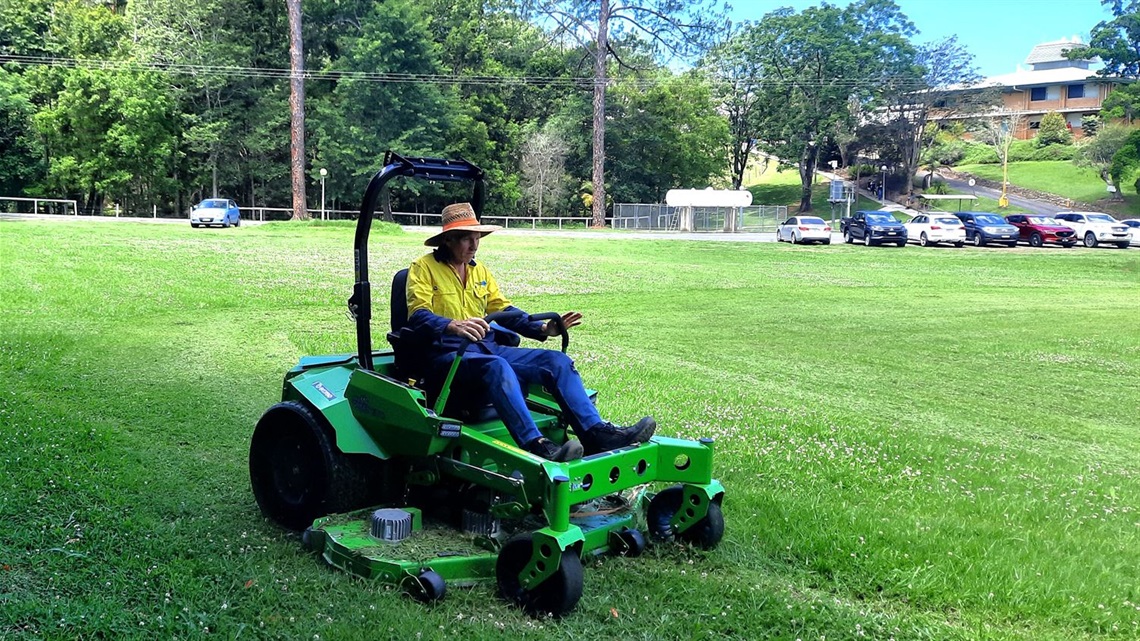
297 109
598 207
740 163
807 175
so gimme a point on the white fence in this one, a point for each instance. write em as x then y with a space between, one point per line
14 205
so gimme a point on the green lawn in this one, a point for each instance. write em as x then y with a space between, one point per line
1062 178
916 444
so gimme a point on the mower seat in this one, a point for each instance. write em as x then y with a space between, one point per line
408 348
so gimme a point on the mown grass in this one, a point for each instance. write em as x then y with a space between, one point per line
916 444
1063 178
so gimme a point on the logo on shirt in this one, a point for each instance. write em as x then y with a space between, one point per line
483 283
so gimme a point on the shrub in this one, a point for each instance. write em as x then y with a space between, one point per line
977 153
1054 130
1090 124
938 187
1055 152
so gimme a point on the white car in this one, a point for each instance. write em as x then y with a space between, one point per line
1134 228
1095 228
936 227
804 229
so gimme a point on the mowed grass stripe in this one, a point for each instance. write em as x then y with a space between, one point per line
916 443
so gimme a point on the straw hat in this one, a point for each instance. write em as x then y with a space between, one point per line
459 217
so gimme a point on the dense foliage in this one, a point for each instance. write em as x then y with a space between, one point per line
163 102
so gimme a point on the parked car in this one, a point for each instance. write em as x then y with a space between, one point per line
215 211
1133 228
983 228
873 228
1095 228
1037 230
936 227
803 229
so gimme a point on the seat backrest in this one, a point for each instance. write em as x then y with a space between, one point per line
399 300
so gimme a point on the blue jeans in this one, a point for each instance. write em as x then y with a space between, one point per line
501 375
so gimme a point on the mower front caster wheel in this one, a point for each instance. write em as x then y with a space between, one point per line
428 587
631 542
555 596
705 533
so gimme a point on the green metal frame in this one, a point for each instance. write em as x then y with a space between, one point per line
374 413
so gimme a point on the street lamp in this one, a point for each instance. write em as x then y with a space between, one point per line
883 187
324 172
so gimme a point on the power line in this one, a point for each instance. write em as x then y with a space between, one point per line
577 82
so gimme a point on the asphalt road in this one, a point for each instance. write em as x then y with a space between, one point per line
1033 206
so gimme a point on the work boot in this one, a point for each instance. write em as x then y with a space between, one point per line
606 436
551 451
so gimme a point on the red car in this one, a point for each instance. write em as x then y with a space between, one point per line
1037 229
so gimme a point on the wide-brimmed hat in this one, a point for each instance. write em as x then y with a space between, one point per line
459 217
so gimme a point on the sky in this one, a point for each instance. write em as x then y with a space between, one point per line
999 33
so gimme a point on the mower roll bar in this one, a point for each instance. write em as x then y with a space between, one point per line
437 169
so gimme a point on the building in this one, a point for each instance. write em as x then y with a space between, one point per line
1052 83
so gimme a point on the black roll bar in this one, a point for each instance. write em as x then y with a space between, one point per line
437 169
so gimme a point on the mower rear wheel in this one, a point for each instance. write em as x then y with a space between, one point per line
555 596
297 472
705 533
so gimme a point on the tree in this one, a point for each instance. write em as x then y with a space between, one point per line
1123 102
736 74
999 132
542 167
297 109
1098 152
1054 130
1126 163
1117 43
814 63
937 86
673 27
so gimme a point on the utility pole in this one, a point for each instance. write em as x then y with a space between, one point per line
297 109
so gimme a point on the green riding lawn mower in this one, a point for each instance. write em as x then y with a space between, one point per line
388 483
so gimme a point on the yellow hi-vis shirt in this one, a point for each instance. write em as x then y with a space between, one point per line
435 286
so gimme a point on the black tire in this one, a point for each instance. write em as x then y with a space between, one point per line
847 238
794 241
923 241
428 587
555 596
1068 245
705 533
959 244
901 243
1090 239
237 222
979 241
867 239
194 225
827 242
1035 240
1122 245
298 474
633 540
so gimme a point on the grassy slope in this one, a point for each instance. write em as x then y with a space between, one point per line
916 444
1062 178
771 187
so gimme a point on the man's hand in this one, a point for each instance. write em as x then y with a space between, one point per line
569 319
473 329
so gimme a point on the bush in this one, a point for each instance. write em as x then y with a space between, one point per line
1090 124
938 187
1054 152
1054 130
977 153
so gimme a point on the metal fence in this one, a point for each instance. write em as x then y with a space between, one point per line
754 218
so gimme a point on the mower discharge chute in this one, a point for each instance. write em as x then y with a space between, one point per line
389 484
